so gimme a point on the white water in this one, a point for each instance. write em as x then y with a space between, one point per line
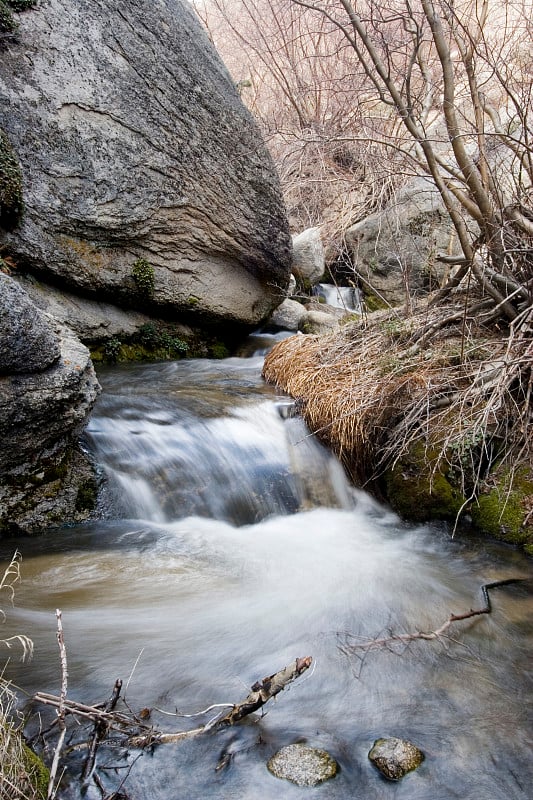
345 297
232 545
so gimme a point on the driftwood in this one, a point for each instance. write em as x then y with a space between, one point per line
262 692
351 647
133 731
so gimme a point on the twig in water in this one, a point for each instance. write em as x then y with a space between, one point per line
132 671
349 648
99 733
52 788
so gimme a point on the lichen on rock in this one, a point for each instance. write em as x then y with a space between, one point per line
395 757
29 342
303 765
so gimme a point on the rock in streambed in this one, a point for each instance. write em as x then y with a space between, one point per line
303 765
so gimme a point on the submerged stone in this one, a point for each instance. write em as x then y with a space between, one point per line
395 757
303 765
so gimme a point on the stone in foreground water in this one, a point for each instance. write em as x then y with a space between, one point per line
395 757
304 766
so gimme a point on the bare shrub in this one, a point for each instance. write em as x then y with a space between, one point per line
297 74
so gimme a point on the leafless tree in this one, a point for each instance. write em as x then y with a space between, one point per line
454 76
297 74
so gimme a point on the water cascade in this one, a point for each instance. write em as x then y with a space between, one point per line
232 543
345 297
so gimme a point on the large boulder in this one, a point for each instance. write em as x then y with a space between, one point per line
287 316
394 250
145 180
308 257
28 340
44 478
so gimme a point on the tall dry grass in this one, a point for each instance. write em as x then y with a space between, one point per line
20 771
382 385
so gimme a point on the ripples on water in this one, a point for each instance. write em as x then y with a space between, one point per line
233 544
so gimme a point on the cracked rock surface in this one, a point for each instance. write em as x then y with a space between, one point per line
134 144
44 477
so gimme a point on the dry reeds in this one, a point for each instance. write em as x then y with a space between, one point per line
20 771
382 385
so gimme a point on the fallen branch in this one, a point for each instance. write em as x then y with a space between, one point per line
262 692
351 648
52 788
100 732
134 733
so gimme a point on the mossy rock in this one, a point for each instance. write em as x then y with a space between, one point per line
419 487
7 20
502 512
38 774
374 303
11 205
21 5
8 23
144 277
153 342
218 350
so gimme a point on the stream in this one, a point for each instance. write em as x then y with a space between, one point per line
231 543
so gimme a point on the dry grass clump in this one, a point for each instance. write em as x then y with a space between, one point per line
21 773
382 385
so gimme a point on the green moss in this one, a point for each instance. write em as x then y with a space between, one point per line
154 342
38 774
87 496
8 24
21 5
112 349
218 350
159 338
501 512
419 487
7 20
192 300
374 303
304 285
11 205
143 275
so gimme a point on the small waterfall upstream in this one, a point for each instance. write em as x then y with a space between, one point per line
230 543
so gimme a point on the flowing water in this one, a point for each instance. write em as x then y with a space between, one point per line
345 297
231 543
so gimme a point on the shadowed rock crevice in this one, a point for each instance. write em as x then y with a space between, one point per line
47 389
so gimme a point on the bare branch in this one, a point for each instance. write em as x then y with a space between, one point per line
350 647
52 787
